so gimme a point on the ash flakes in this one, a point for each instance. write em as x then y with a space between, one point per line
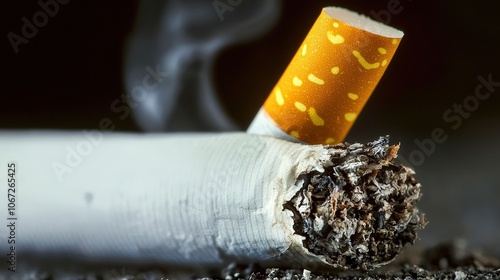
361 211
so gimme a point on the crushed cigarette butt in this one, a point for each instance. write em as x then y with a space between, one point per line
329 80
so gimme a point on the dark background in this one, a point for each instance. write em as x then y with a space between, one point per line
68 74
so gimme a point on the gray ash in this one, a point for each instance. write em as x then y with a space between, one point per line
361 211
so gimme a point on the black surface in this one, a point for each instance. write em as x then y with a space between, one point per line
67 75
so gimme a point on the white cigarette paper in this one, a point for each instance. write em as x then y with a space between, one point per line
191 200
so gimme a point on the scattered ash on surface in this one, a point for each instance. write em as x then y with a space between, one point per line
361 211
445 261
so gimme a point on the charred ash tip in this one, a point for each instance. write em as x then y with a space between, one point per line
379 147
360 212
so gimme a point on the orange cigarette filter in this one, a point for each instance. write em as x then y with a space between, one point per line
330 78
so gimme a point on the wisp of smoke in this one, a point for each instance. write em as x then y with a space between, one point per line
180 39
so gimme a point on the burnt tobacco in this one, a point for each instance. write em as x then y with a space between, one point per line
361 211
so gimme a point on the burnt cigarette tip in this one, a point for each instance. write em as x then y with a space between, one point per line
361 211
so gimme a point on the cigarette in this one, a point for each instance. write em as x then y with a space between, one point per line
329 80
208 199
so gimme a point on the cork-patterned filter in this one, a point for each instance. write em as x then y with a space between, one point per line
332 75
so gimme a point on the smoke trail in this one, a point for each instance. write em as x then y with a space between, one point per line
182 38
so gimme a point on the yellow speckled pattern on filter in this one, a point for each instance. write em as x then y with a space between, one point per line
329 80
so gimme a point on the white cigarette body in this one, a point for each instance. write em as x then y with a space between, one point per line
189 200
205 199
